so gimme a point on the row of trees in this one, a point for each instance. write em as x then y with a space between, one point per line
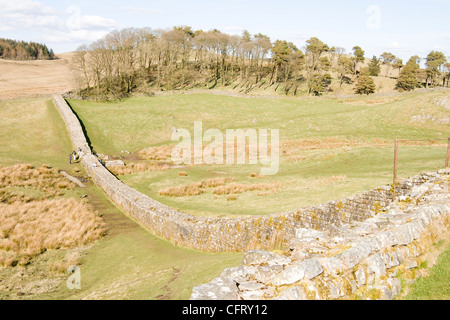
437 72
182 58
21 50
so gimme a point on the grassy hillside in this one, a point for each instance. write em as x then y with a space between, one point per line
131 263
128 263
36 77
330 148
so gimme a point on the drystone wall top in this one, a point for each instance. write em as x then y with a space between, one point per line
360 260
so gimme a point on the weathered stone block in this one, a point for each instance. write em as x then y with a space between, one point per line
240 273
331 265
250 286
354 255
307 269
293 293
258 257
252 295
217 289
360 276
375 267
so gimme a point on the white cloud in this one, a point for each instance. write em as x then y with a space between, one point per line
145 11
27 14
26 7
88 22
80 35
77 21
53 25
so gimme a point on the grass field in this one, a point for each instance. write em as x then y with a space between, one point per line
330 148
36 77
436 285
127 263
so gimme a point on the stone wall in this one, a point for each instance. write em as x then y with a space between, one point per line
359 260
232 234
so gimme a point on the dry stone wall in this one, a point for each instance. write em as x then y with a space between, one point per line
358 260
228 234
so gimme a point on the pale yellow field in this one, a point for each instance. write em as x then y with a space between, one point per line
37 77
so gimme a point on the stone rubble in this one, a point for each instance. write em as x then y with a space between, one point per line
358 260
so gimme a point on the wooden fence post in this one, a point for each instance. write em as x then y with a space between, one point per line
395 168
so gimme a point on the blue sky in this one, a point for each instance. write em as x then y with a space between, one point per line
403 27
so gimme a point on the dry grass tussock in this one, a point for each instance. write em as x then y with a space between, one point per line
164 152
194 189
131 168
45 179
28 229
287 147
220 188
156 153
31 223
236 188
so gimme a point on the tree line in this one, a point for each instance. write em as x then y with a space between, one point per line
21 50
142 59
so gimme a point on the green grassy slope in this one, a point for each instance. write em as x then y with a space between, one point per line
129 262
319 174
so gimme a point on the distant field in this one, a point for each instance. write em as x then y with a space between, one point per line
330 148
36 77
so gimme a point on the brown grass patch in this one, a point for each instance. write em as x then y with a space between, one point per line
131 168
24 175
28 229
46 180
156 153
236 188
164 152
220 188
288 147
194 189
34 219
181 191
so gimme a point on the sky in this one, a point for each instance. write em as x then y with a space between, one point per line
403 27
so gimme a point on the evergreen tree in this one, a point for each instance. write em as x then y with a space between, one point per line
365 84
407 79
435 61
359 56
21 50
374 67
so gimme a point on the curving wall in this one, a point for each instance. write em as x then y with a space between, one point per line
227 234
